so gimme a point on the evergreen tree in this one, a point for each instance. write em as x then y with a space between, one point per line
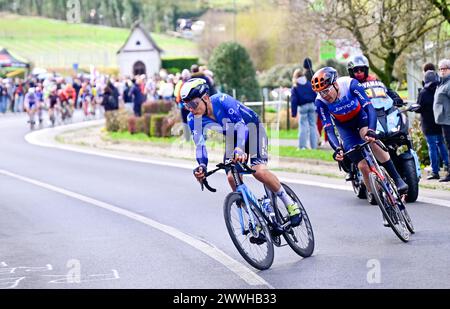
233 69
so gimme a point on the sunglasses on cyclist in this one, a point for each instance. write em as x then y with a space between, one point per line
358 69
326 91
192 104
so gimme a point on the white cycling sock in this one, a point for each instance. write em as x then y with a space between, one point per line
284 197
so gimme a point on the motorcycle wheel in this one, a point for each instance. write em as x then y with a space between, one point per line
409 175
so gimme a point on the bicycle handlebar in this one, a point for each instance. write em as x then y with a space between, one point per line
222 166
359 147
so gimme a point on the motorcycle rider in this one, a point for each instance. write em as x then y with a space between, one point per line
376 90
358 68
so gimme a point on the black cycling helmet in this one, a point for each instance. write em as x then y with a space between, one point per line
193 88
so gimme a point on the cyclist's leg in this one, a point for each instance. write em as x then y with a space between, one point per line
365 171
31 112
264 175
231 181
257 148
385 160
351 138
40 111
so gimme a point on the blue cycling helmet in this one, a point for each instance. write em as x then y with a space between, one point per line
193 88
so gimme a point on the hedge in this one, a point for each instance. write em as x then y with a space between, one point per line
181 63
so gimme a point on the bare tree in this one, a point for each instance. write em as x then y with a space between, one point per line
443 7
384 29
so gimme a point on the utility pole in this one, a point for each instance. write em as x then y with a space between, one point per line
234 20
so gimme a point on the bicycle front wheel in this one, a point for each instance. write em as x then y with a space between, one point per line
253 241
402 206
299 238
389 208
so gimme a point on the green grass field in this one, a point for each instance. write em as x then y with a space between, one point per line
53 43
139 137
283 134
316 154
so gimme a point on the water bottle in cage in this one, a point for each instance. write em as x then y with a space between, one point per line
267 206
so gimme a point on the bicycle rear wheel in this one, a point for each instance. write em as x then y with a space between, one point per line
255 243
389 207
299 238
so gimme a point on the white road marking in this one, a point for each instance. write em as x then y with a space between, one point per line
434 201
213 252
316 184
11 283
62 279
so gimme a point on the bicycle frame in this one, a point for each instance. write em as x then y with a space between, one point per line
248 197
375 168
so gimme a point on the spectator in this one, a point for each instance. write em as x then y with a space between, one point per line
302 100
307 65
428 67
138 97
309 72
3 97
115 92
10 89
431 130
19 96
441 106
110 102
196 73
150 87
127 96
77 87
167 89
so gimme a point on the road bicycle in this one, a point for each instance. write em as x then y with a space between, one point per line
391 203
256 225
36 109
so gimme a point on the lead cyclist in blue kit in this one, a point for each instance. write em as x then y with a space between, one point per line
245 137
342 103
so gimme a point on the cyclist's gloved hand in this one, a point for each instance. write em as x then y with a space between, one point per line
371 136
240 155
200 171
338 154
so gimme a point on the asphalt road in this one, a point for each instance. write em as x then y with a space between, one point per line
125 224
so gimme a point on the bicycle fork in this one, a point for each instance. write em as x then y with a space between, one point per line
254 229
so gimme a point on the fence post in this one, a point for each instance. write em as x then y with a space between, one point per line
288 119
263 111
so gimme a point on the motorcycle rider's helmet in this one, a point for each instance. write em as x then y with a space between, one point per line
356 63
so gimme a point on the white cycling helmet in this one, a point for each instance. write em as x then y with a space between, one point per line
359 61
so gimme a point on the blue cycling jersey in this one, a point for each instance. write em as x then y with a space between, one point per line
229 114
352 104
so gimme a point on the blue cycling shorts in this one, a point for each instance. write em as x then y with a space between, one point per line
256 147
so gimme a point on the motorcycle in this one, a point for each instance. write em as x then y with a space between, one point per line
393 131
